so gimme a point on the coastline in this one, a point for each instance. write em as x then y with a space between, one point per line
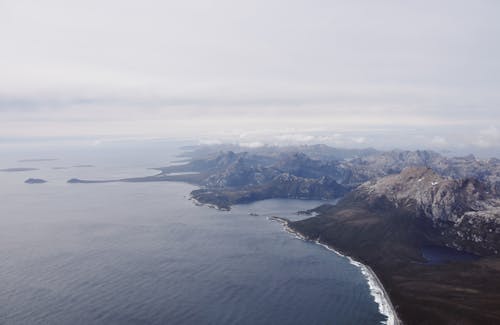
209 205
377 290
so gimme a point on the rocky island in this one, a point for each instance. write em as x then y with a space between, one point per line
395 206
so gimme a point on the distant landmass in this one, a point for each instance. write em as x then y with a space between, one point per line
75 166
394 205
37 160
17 169
35 181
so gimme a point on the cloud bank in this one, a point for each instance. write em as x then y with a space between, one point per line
354 73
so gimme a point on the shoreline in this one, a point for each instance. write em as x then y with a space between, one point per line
376 288
208 205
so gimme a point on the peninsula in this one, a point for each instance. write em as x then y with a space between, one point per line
396 207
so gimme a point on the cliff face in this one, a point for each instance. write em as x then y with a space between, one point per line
465 211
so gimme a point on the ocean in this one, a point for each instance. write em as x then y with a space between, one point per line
143 253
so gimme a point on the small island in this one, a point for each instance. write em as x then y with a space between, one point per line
35 181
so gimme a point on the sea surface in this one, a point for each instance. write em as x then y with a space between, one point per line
143 253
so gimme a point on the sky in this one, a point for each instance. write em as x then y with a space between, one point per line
408 74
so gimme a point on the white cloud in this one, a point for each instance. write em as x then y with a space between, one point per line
210 142
489 137
359 140
439 141
294 138
255 144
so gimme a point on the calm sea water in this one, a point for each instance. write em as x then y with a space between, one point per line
142 253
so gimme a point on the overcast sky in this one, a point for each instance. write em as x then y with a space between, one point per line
350 73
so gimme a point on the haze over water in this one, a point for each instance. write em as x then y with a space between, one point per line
142 253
